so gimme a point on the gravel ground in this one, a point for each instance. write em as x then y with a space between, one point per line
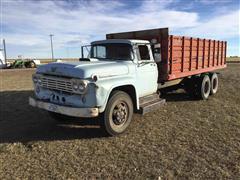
184 139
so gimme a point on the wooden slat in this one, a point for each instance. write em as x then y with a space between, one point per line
171 53
209 52
190 60
222 53
225 54
203 53
183 39
197 53
214 45
218 54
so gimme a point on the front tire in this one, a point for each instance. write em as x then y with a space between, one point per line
118 113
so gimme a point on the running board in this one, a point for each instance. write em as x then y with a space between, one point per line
150 103
149 98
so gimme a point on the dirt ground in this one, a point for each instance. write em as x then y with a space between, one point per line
184 139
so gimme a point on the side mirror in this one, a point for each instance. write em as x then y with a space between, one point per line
157 53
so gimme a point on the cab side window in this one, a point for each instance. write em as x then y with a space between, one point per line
143 52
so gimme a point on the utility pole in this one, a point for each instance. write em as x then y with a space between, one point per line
51 35
4 50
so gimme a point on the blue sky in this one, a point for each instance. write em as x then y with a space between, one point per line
26 25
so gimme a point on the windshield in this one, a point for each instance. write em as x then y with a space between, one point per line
111 51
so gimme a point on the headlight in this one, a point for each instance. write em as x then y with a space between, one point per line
82 86
79 86
37 79
75 86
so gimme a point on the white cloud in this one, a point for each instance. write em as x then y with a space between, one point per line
211 2
28 23
221 27
27 39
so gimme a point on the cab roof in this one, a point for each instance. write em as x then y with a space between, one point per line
127 41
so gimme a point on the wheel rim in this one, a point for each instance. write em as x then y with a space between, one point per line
214 83
32 65
206 87
120 113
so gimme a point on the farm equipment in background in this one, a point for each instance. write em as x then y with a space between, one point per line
18 63
28 63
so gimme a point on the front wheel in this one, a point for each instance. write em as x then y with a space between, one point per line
118 113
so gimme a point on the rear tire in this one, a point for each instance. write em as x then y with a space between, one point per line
118 113
191 86
214 84
204 87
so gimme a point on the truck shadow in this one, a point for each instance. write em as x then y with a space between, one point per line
20 122
178 96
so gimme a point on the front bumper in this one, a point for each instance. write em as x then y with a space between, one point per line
66 110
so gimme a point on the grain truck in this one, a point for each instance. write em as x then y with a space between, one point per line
125 74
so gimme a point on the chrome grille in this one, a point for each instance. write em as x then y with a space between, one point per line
56 83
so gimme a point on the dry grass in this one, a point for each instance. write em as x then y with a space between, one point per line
184 139
233 59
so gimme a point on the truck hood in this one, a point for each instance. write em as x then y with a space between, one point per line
85 69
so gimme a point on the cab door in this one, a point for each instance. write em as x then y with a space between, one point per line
147 72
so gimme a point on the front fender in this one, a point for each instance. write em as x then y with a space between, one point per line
104 88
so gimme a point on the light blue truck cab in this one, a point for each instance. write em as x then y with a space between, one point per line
118 78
